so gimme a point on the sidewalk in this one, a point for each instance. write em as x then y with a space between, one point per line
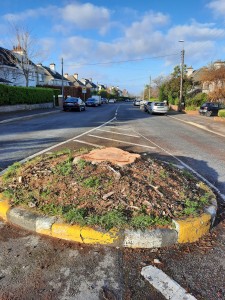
214 125
6 117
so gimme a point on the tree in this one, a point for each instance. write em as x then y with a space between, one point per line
24 53
214 76
170 88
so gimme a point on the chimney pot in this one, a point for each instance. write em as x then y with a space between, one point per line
52 67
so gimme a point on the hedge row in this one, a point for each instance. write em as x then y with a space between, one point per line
12 95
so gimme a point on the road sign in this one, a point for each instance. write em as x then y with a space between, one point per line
84 91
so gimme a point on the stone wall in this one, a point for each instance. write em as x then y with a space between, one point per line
9 108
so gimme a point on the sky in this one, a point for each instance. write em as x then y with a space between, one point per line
124 43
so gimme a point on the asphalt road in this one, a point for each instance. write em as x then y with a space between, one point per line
35 267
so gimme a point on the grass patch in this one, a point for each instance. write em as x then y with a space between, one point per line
91 182
144 221
11 171
64 168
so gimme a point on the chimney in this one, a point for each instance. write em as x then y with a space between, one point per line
18 49
90 79
190 70
39 65
66 75
52 67
75 75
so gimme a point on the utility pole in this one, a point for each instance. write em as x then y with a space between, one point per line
181 78
149 90
62 81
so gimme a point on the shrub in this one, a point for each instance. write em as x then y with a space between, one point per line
221 113
12 95
196 101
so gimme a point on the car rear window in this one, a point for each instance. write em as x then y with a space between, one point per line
71 100
159 104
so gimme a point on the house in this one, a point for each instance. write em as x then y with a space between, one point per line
49 76
27 70
197 75
16 69
89 84
101 87
9 72
74 81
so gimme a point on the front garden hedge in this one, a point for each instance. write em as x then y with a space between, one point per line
12 95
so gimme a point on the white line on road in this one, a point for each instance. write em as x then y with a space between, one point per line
199 126
119 128
104 138
62 143
186 166
170 289
90 144
137 136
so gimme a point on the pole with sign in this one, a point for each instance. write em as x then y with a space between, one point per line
84 91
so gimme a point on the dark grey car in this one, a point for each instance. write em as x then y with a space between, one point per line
73 103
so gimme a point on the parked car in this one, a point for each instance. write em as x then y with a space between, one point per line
147 106
111 101
210 108
92 102
137 102
105 100
72 103
158 108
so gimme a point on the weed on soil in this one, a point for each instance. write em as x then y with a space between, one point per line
143 194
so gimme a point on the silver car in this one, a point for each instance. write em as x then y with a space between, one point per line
158 108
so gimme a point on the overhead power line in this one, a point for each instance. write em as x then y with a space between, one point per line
119 61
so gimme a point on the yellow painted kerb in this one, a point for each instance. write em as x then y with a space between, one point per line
192 229
4 207
85 235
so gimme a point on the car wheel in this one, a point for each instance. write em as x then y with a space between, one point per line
208 113
79 109
84 108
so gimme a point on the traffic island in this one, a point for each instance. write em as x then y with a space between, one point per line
109 197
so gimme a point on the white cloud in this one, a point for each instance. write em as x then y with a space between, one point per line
146 25
195 32
30 13
218 7
87 16
78 48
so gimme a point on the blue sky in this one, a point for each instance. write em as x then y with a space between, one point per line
116 42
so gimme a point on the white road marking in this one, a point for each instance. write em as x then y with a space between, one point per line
137 136
59 144
90 144
104 138
170 289
119 128
199 126
186 166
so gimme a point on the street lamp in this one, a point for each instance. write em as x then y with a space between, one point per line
181 77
